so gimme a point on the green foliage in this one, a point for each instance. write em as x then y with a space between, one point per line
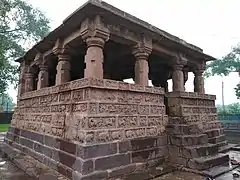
6 103
231 109
21 25
229 63
4 127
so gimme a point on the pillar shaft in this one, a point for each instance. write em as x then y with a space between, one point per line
141 68
21 85
199 82
178 78
29 82
42 77
63 69
94 57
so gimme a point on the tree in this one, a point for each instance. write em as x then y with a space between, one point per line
225 65
21 25
6 103
228 110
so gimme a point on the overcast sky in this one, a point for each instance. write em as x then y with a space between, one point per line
211 25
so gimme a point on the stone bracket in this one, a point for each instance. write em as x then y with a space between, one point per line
94 28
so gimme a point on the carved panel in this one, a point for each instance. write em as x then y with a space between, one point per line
134 133
116 135
77 95
101 122
155 120
127 121
111 84
102 136
65 96
156 109
118 108
151 131
103 95
80 107
143 121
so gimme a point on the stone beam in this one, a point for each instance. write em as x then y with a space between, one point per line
74 36
162 50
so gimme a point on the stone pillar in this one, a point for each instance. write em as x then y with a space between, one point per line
141 68
178 78
63 69
166 87
29 81
42 76
199 81
21 85
94 57
185 75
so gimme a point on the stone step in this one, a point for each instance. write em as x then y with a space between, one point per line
217 139
214 132
188 140
207 162
199 150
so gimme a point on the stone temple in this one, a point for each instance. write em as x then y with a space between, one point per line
77 116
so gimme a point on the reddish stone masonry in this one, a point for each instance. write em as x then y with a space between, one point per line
97 128
91 125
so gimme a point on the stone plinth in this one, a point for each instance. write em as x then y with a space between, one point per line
92 128
196 136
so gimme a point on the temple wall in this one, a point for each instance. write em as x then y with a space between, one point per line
89 125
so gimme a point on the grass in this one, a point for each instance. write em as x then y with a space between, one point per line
4 127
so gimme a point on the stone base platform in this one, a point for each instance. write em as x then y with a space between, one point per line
36 169
142 158
29 165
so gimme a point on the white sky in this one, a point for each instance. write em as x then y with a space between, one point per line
211 25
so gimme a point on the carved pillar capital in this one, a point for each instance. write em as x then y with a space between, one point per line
94 28
177 67
199 68
179 61
43 67
141 52
95 41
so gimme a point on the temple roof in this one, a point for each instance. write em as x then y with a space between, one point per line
106 10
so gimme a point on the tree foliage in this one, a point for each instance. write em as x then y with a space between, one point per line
228 110
21 25
225 65
6 103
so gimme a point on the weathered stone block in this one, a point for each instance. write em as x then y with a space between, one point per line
141 156
112 161
84 167
66 159
98 150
